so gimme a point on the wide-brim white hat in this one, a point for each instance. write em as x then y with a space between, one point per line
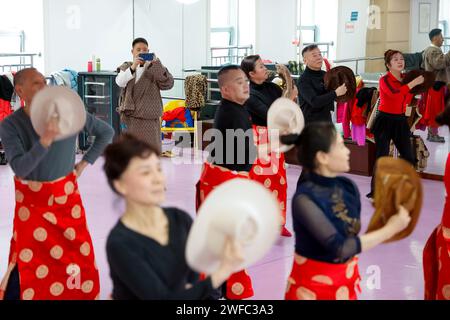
241 209
62 103
284 117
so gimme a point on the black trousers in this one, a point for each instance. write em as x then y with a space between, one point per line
13 287
389 127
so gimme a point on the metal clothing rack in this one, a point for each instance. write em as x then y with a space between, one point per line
18 60
234 54
26 60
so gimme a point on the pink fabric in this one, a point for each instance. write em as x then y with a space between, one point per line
340 109
346 120
359 134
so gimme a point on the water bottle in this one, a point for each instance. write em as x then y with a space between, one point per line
98 65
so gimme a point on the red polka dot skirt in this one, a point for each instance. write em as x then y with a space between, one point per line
51 244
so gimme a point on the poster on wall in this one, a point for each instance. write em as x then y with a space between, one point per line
424 17
349 27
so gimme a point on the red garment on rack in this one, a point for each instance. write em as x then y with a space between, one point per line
434 105
177 113
5 109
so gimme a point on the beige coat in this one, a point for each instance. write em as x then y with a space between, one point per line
435 60
142 99
140 103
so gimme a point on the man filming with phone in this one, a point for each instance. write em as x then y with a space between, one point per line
140 104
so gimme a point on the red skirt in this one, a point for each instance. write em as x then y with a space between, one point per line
271 172
434 105
436 265
436 254
51 245
239 285
316 280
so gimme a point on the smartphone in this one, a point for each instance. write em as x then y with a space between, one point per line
147 56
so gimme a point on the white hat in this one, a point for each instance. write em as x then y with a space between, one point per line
284 117
241 209
60 102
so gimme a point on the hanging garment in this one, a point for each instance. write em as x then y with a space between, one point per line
195 87
73 75
359 134
5 109
434 105
6 88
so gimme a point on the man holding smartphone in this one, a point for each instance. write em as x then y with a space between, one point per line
140 103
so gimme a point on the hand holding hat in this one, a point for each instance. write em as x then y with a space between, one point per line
51 131
284 118
399 221
251 223
232 258
342 80
397 185
57 113
419 81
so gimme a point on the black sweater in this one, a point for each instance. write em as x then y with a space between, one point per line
316 102
143 269
261 98
235 149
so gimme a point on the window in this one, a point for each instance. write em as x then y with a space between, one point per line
21 30
232 34
317 25
444 22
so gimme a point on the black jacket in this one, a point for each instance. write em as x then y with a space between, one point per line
315 101
261 98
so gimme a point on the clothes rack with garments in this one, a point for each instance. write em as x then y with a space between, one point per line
6 108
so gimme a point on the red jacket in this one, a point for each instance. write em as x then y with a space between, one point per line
394 96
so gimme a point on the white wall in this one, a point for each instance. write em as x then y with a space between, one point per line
275 29
106 30
352 45
419 41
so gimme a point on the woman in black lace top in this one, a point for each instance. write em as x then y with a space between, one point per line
326 215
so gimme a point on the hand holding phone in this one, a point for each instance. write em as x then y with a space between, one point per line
147 56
